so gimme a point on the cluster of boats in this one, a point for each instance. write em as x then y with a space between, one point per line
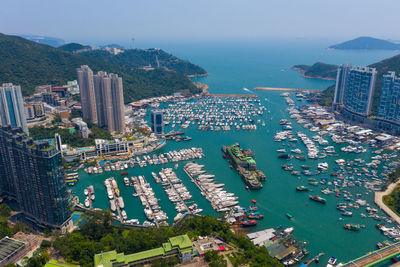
215 113
89 193
148 199
177 192
71 178
116 201
163 158
219 198
390 232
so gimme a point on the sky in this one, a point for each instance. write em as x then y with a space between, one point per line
90 20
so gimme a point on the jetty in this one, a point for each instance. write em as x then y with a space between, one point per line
286 89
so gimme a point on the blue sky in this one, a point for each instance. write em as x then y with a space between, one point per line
84 20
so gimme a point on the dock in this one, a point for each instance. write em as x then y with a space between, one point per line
286 89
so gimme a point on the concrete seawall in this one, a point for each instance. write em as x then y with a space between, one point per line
379 201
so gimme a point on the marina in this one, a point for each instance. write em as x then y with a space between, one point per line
337 176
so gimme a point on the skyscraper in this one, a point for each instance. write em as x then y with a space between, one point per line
87 92
32 173
359 90
110 101
340 86
157 122
12 111
389 101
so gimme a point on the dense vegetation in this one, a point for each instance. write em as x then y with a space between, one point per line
97 234
30 64
318 70
366 43
73 47
135 58
73 139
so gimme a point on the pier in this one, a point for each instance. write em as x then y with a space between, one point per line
286 89
376 256
168 173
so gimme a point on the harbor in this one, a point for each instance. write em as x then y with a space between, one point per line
327 167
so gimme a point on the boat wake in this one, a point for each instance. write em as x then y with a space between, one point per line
247 90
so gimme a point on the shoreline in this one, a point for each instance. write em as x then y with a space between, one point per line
198 75
311 77
378 199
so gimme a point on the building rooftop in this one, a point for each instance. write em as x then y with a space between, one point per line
9 247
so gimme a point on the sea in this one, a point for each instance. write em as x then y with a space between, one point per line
238 67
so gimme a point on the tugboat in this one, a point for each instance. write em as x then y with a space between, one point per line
249 223
352 227
303 188
318 199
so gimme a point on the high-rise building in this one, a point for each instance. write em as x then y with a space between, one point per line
12 111
87 93
157 122
389 101
341 79
110 101
359 90
32 173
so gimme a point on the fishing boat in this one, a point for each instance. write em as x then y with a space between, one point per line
123 173
318 199
305 167
290 216
352 227
303 188
249 223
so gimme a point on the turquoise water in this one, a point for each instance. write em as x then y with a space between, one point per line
232 67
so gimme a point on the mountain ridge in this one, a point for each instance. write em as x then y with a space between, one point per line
366 43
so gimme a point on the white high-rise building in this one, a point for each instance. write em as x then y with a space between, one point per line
12 110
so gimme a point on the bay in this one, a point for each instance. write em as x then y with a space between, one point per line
233 66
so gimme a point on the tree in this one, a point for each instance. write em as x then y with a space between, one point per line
214 259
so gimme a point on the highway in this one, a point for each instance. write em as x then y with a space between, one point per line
376 257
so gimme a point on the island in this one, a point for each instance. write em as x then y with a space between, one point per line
366 43
318 70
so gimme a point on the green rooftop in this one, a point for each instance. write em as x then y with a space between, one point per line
55 263
106 259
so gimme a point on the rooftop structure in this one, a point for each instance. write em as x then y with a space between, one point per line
10 250
180 246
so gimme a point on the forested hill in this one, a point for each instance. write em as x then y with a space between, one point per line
156 58
30 64
366 43
318 70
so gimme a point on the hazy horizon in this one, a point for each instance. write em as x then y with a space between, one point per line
97 21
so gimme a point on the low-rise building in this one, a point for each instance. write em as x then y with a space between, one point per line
179 246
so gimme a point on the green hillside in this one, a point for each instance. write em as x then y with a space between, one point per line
72 47
135 58
30 64
318 70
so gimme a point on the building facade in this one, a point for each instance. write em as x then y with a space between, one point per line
389 101
341 78
157 122
12 111
110 101
32 173
359 90
87 93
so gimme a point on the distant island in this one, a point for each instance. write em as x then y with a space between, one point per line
366 43
318 70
